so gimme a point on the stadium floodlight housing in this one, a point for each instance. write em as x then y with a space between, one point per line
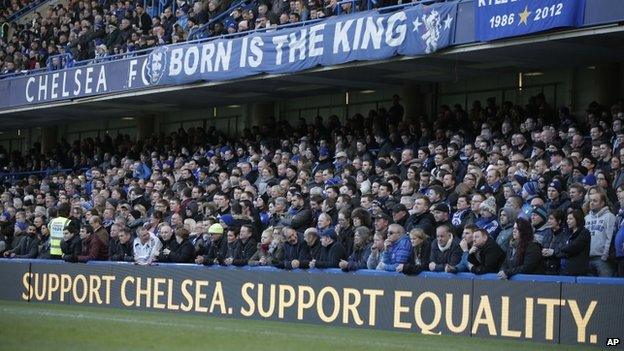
369 91
533 74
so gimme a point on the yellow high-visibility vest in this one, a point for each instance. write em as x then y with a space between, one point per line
56 227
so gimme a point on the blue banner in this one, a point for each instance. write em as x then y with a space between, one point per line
362 36
497 19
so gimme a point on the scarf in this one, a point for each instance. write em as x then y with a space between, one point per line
445 247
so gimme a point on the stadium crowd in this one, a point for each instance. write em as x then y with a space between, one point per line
95 30
497 189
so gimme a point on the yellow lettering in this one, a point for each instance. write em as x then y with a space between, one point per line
398 309
304 303
78 298
94 289
266 313
484 316
349 307
40 295
124 298
425 328
147 292
66 286
580 320
27 294
550 314
372 304
170 305
199 296
505 331
248 300
158 293
218 299
53 285
282 302
187 296
108 279
319 304
528 319
465 314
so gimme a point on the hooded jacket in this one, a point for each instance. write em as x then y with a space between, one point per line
601 226
504 237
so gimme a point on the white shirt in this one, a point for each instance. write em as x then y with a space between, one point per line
145 253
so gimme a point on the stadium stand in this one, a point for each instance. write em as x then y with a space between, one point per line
498 189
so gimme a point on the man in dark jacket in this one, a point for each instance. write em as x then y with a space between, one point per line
28 247
122 249
247 246
421 218
299 217
183 251
71 246
294 249
311 238
485 255
93 249
214 252
332 251
445 251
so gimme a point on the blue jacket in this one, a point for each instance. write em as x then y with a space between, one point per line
398 253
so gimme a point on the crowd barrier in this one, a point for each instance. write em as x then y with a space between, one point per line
551 309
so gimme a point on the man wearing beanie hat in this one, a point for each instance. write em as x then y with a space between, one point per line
539 221
216 249
556 200
488 221
331 252
529 190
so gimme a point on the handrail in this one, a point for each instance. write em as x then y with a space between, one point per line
26 9
202 40
584 280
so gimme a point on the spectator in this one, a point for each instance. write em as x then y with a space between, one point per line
507 217
248 245
146 247
397 248
27 247
421 251
361 251
485 256
601 224
466 244
618 241
524 255
551 250
294 249
270 250
215 250
374 259
331 252
575 251
122 249
445 251
93 249
183 252
313 253
233 247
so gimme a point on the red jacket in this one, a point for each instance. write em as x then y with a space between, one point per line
93 249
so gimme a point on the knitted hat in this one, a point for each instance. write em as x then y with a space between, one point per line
330 232
541 211
488 205
556 184
521 176
227 219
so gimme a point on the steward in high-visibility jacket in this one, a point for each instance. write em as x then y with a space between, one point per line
56 226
